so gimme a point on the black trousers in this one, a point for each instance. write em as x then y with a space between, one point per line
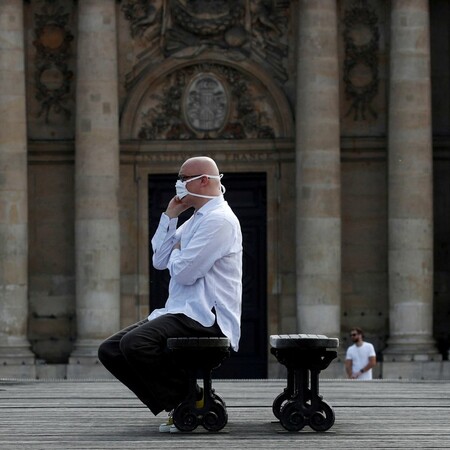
138 357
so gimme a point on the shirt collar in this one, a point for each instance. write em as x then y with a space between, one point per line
209 206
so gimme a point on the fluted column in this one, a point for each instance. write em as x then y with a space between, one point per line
15 355
410 221
97 237
318 170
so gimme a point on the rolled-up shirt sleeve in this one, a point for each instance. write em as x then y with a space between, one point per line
163 241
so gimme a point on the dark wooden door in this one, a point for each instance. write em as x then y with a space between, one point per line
246 194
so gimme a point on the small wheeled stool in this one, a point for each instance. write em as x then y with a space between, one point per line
200 354
300 404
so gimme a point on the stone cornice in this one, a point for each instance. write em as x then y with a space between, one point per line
222 151
352 149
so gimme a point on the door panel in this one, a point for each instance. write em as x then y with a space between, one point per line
246 194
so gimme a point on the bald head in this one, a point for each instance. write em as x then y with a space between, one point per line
200 165
200 186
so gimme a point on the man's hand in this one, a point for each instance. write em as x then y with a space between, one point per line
175 207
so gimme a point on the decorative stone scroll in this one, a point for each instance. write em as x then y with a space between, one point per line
53 44
361 39
206 101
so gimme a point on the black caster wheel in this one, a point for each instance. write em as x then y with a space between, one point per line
184 418
291 417
278 404
219 399
216 417
323 418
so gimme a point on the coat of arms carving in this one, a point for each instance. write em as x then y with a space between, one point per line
206 103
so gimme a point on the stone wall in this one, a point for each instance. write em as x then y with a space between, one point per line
52 319
51 36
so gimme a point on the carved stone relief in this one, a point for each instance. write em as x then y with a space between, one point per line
361 38
207 101
255 29
53 44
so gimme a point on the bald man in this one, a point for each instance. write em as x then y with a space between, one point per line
204 259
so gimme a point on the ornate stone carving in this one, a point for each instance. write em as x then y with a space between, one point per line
206 18
255 29
361 39
142 15
53 43
206 101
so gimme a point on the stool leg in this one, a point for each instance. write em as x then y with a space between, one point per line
292 413
287 393
185 416
315 397
305 391
215 415
208 391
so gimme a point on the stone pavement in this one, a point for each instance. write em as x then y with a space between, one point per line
64 414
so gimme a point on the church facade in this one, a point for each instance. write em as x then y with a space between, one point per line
330 121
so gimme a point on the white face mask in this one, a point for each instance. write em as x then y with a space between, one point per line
182 190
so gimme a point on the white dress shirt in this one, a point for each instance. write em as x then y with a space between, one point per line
207 271
360 357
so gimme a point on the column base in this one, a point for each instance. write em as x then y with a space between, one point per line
83 369
415 352
416 370
17 360
85 351
84 362
411 357
12 370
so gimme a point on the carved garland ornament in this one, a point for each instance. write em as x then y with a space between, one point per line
361 38
207 18
255 29
53 46
203 102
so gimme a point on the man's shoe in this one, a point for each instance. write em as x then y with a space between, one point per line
166 427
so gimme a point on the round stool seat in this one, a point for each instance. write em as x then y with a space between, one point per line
305 341
198 343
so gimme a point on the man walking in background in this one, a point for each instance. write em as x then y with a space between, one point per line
360 358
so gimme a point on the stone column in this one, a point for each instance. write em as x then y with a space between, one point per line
97 234
16 358
410 223
318 170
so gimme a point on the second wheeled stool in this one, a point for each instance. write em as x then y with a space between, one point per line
200 355
300 404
